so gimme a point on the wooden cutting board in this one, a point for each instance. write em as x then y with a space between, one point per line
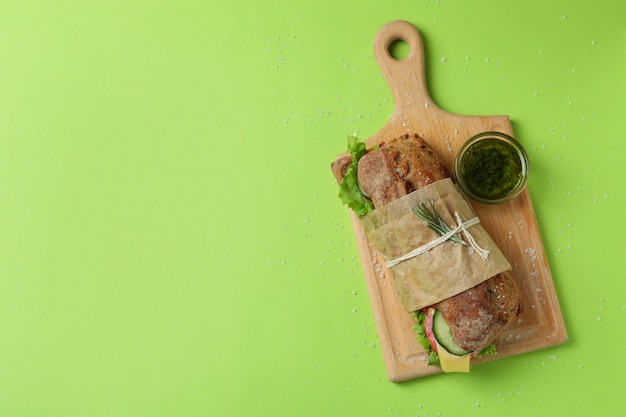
513 225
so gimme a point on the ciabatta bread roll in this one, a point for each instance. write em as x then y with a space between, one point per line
477 316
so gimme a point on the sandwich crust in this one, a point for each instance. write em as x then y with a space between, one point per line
399 168
477 316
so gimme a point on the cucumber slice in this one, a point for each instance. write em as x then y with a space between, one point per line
443 334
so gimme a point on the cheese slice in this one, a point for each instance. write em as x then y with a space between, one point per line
452 363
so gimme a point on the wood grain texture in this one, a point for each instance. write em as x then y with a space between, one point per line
513 225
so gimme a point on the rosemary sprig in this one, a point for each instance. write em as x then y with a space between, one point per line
434 220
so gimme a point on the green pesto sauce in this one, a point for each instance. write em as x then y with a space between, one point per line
491 169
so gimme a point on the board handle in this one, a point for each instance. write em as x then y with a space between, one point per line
406 77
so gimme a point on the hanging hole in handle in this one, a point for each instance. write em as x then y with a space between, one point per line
399 49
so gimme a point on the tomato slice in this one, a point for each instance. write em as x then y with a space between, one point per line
428 328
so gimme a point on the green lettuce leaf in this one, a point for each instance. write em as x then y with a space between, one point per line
420 329
349 190
489 350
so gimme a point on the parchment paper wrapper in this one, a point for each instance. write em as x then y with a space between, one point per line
448 269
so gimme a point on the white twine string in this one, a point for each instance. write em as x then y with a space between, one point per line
461 227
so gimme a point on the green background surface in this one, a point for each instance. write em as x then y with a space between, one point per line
171 242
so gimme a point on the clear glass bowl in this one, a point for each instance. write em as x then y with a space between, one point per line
492 168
